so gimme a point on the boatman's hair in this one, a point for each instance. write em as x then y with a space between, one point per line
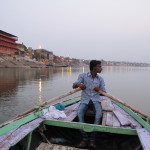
94 63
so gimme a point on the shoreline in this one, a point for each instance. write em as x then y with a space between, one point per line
25 62
9 62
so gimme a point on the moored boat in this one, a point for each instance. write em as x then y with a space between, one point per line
54 125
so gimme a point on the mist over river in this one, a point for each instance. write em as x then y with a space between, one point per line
23 88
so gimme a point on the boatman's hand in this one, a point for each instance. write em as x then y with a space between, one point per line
96 89
82 86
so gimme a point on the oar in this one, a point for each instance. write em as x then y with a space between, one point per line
45 103
121 102
51 100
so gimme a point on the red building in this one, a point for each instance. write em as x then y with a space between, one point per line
8 43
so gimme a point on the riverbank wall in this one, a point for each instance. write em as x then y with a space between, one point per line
20 62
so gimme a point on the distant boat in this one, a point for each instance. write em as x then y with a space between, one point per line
47 127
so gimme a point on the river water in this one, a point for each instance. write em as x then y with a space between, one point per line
24 88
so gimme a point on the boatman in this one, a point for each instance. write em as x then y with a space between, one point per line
90 83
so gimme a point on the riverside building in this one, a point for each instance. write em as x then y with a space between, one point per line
8 43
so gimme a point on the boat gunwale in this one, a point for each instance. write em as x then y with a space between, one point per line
90 127
32 116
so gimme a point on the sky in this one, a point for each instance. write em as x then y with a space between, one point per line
112 30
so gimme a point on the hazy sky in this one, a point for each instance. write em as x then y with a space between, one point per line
117 30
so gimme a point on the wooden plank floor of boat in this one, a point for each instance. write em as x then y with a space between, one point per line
46 146
113 115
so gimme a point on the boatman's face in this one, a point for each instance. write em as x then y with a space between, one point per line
98 68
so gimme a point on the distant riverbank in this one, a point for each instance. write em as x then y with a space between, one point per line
25 62
21 62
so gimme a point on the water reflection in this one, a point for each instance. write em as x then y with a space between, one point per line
69 71
124 68
11 79
62 72
7 82
40 92
21 89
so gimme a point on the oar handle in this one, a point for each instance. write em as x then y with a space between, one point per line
45 103
52 100
60 97
121 102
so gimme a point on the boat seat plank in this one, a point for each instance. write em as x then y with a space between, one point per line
109 118
68 112
116 122
71 116
104 118
134 123
144 137
46 146
107 105
112 116
71 112
123 120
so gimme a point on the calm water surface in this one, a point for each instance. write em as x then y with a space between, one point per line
21 89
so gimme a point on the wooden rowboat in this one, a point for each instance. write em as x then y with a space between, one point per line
121 127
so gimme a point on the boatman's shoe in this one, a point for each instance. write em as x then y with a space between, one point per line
92 145
83 144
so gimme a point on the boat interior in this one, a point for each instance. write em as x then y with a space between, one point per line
117 131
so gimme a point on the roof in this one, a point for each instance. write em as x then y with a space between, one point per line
8 34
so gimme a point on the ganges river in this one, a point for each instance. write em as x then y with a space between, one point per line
24 88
